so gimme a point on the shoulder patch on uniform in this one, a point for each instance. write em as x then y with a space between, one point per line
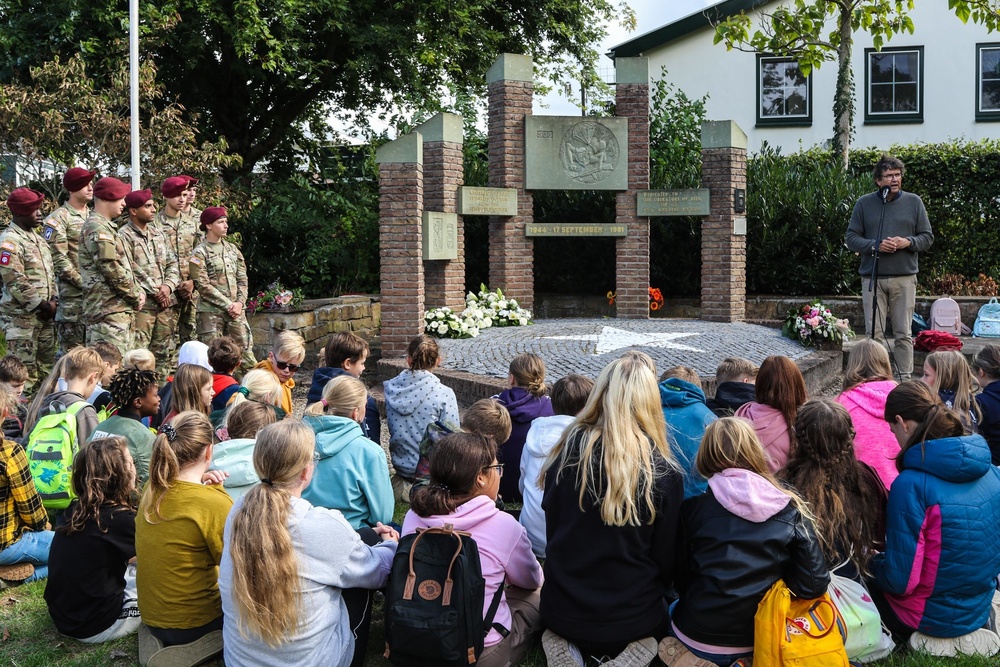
104 236
4 257
8 245
195 259
49 232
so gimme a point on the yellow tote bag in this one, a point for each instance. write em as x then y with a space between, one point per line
789 632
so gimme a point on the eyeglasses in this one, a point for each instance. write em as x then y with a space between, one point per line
892 176
285 366
498 466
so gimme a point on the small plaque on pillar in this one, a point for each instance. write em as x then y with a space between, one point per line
440 235
740 226
487 201
575 229
576 153
657 203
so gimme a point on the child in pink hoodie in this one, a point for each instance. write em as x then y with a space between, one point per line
780 391
464 481
867 383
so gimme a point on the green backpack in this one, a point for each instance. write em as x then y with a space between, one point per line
50 448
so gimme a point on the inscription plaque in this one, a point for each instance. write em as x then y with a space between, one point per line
655 203
575 229
440 235
487 201
576 153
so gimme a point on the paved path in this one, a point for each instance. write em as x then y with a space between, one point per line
587 345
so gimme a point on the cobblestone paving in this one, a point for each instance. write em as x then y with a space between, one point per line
587 345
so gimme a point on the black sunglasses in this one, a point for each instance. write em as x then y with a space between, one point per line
285 366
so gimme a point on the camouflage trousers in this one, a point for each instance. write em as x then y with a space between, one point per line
187 319
34 343
156 330
115 328
215 324
71 334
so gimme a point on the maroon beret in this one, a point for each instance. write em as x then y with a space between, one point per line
192 181
77 178
212 213
110 189
174 186
24 201
138 198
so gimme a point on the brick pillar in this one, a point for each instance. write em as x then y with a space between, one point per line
723 232
632 251
444 280
401 184
510 86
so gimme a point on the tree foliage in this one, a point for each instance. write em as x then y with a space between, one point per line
264 74
986 12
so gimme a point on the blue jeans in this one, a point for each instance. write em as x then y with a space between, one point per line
721 659
33 547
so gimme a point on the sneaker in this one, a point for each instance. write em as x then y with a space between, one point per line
188 655
981 642
743 662
995 612
148 645
675 654
560 652
637 654
16 572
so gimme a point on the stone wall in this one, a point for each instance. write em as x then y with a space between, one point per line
316 319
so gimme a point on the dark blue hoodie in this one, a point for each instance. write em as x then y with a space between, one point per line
523 408
372 425
687 416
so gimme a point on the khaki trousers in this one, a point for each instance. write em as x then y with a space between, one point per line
526 622
895 296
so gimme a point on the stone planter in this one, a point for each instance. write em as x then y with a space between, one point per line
316 319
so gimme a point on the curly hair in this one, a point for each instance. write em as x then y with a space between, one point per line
129 384
103 475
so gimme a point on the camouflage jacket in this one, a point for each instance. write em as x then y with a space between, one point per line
153 262
109 284
219 274
183 234
62 230
26 268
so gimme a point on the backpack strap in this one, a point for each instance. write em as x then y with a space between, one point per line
411 576
492 612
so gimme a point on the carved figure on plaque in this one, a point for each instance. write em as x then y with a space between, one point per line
589 152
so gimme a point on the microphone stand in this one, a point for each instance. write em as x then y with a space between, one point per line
873 283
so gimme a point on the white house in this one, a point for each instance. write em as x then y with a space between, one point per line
940 83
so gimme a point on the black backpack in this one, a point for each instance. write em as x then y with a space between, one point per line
434 601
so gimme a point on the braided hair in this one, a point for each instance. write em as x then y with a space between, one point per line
129 384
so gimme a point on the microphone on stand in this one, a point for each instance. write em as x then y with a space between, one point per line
883 192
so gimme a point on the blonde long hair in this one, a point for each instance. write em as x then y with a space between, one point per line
622 436
952 373
265 566
180 442
867 362
341 396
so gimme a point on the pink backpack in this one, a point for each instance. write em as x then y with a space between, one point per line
946 316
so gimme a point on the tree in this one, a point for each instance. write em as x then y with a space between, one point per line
800 31
986 12
266 73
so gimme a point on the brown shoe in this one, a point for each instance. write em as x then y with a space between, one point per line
16 572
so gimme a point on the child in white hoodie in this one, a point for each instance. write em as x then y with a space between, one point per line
414 400
568 395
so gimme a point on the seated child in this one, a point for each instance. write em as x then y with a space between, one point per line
192 391
741 536
135 394
465 480
258 385
352 474
288 567
192 352
234 454
484 417
734 379
284 360
224 355
178 534
414 400
111 359
526 401
140 359
346 354
91 588
687 416
14 374
24 538
986 366
779 391
569 396
81 374
948 373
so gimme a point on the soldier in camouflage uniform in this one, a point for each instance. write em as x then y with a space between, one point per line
110 292
220 276
29 298
155 268
62 230
183 235
189 196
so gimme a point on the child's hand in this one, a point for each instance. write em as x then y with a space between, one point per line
386 532
214 477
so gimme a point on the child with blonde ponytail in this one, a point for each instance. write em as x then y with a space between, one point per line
526 401
178 540
352 474
288 565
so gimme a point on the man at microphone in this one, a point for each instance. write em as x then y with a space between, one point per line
905 233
